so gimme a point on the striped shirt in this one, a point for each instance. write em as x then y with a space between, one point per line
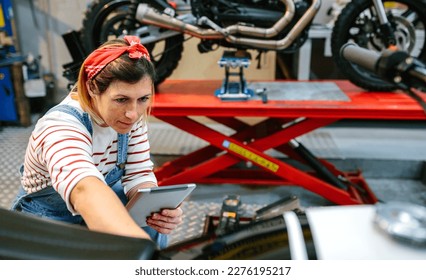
61 152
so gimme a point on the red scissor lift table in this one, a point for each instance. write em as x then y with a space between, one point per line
179 101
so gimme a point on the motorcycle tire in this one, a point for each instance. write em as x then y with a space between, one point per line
355 24
108 19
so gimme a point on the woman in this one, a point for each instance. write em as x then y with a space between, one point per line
88 155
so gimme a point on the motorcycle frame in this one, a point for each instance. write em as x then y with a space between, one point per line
187 23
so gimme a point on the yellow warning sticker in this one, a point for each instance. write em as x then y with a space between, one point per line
2 22
251 156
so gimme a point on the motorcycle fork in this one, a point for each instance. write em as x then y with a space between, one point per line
385 26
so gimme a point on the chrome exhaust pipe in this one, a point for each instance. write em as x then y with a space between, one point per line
265 32
148 15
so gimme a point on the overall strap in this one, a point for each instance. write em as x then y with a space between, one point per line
122 144
82 117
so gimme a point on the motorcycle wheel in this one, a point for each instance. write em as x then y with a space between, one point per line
108 19
357 24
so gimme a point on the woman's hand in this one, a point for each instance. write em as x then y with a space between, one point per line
166 220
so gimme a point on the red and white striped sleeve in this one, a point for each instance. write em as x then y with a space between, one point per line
60 148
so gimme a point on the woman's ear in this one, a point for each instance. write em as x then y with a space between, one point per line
89 86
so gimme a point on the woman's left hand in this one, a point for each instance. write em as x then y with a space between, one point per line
166 220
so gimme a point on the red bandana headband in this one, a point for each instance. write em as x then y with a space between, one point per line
100 58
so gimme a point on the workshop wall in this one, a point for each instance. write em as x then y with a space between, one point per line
40 25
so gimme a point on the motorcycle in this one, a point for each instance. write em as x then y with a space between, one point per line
262 25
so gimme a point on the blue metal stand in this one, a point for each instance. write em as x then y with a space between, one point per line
234 90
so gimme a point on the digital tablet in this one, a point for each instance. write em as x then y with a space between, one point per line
151 200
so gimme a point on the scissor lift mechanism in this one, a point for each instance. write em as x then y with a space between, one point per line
283 121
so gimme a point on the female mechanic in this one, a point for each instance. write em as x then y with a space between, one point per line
88 155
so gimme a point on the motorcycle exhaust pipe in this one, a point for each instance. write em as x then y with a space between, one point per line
265 32
148 15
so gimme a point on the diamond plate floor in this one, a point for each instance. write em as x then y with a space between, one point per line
13 142
394 158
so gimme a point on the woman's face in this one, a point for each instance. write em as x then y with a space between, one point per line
123 104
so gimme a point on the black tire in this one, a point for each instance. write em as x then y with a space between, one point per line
354 25
107 19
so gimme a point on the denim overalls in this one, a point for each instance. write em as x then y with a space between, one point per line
48 203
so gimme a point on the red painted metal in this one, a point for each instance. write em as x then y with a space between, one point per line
177 102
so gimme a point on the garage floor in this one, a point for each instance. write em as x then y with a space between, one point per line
391 157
